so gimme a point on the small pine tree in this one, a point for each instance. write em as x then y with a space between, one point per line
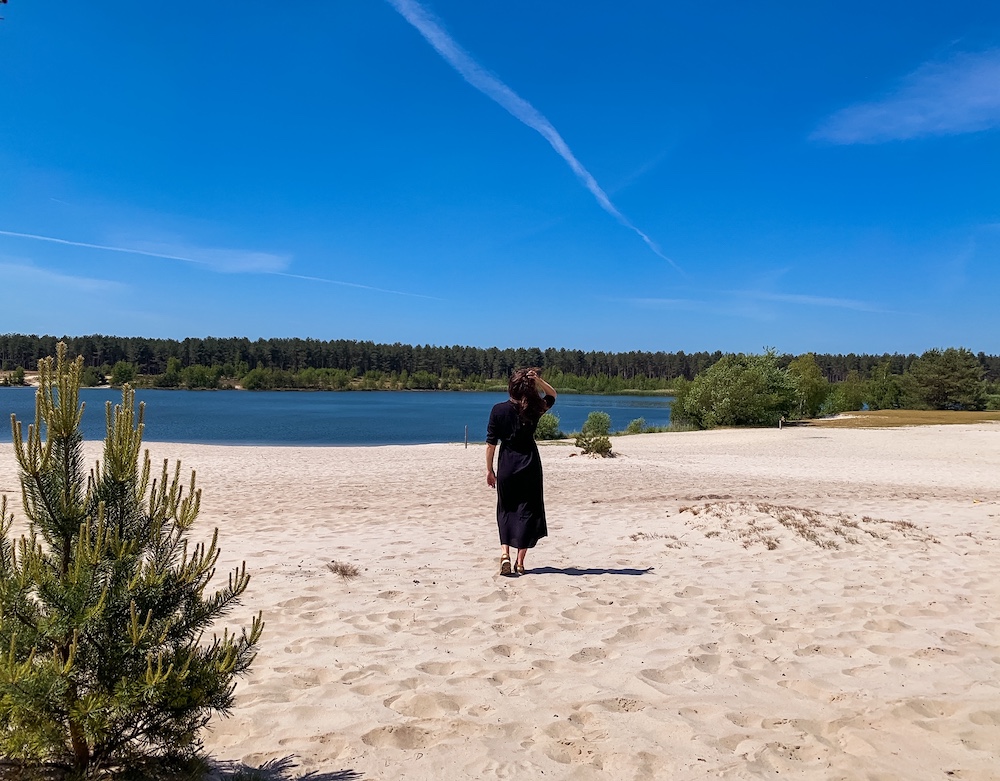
104 604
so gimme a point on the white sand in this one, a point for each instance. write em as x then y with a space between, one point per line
677 623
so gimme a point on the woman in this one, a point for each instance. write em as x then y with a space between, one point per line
518 478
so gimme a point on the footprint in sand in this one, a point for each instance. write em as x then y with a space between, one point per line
622 705
706 663
423 705
357 639
885 625
585 655
581 614
658 676
985 718
447 668
401 736
926 708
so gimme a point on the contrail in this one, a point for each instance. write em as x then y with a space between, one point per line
166 256
126 250
518 107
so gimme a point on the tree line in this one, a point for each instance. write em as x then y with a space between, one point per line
756 390
313 363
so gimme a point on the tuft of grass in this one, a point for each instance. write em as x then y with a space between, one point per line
342 568
671 539
891 418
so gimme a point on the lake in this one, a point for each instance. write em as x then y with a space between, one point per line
327 418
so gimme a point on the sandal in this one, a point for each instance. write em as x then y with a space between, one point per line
505 565
519 568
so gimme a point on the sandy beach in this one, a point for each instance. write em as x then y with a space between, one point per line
806 603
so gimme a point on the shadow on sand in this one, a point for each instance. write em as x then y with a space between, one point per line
277 770
586 571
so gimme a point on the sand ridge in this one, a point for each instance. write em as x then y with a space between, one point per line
728 604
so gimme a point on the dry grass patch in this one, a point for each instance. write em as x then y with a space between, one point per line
890 418
671 540
342 568
768 525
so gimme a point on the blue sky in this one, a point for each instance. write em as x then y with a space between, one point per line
604 176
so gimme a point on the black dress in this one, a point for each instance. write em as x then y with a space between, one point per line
520 510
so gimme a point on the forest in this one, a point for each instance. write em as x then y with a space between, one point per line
213 362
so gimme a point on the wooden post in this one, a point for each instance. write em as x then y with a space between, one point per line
466 437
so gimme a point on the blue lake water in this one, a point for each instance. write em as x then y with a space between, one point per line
326 418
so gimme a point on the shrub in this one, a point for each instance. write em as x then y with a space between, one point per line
548 427
597 423
737 390
593 437
103 605
636 426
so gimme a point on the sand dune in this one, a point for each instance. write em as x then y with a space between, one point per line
732 604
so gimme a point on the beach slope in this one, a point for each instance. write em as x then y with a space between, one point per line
813 603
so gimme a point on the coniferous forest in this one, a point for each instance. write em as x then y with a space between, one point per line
342 363
708 389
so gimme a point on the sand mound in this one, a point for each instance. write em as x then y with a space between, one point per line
774 525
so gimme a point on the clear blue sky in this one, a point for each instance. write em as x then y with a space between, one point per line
816 176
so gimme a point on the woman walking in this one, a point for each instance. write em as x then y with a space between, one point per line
518 476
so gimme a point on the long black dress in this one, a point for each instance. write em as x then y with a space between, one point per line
520 509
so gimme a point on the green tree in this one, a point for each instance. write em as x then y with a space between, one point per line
738 390
91 377
123 372
884 389
171 378
593 437
104 603
811 387
947 379
846 396
548 427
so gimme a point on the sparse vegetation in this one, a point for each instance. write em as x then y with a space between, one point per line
345 570
671 539
889 418
760 523
593 437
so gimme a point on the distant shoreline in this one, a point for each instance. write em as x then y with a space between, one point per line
31 381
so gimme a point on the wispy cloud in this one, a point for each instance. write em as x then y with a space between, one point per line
35 277
484 81
326 281
809 300
961 95
735 302
226 260
221 260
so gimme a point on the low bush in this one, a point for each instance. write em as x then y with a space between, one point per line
636 426
548 427
593 438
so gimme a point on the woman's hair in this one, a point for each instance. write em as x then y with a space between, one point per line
530 406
